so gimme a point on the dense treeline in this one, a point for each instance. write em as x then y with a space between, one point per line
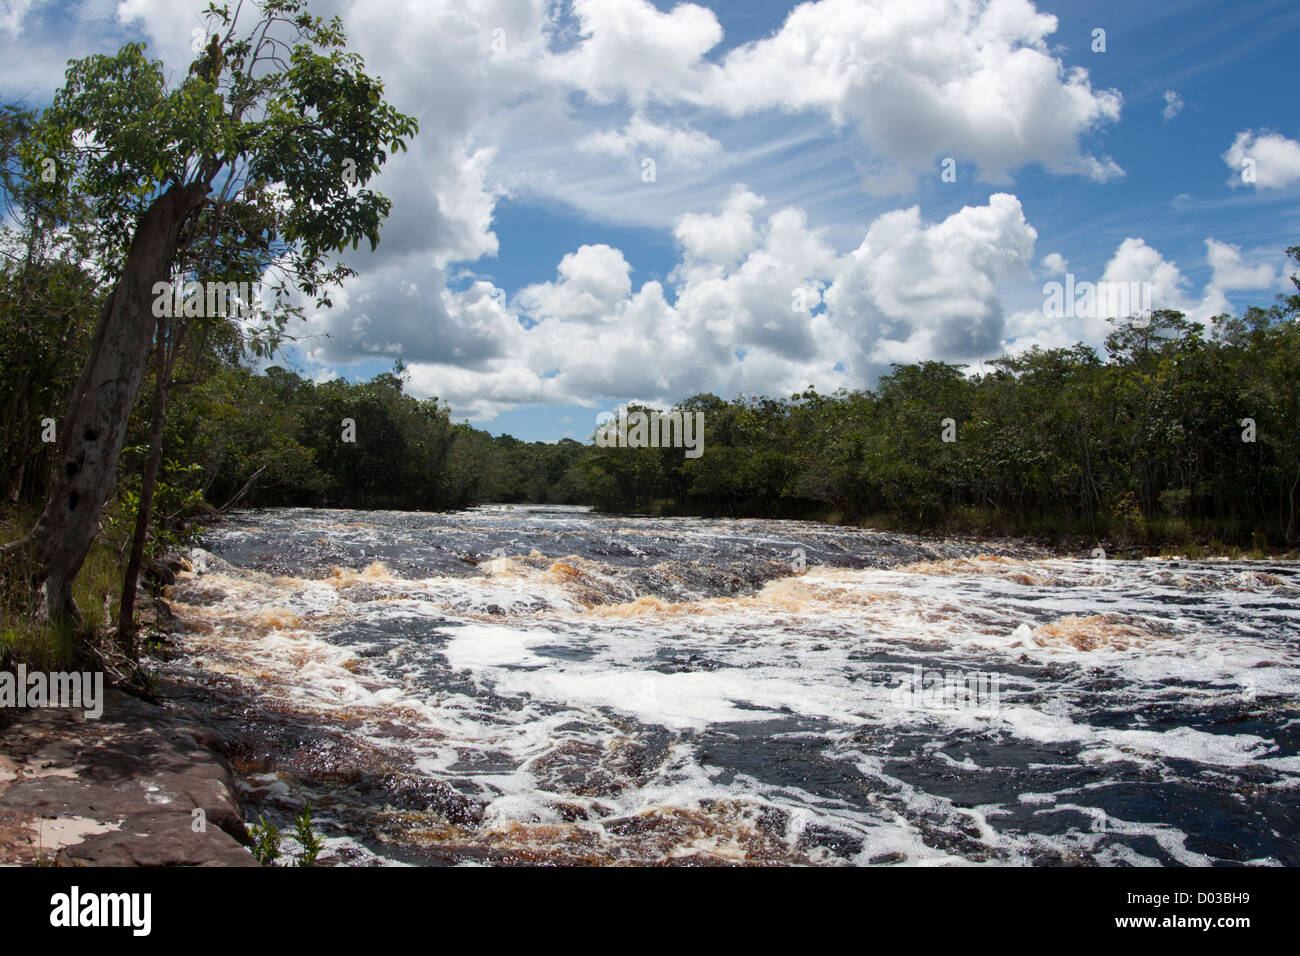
246 439
235 437
277 438
1177 431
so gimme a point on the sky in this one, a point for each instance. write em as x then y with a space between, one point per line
620 200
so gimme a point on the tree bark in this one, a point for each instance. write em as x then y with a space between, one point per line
126 632
92 431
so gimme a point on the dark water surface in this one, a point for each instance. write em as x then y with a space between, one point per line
533 684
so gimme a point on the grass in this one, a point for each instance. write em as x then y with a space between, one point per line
39 644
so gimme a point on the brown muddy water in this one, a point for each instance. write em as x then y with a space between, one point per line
536 684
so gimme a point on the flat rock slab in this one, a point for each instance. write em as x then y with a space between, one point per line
121 790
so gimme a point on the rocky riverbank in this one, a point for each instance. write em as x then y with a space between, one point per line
140 786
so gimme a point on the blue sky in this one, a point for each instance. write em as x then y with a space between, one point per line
533 278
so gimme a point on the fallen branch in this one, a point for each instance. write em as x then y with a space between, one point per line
242 491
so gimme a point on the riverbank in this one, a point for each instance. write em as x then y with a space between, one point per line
118 790
139 786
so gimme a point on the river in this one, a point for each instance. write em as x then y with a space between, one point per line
537 684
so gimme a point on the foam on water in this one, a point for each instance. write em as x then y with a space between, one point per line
670 690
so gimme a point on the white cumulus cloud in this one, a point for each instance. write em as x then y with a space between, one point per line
1268 160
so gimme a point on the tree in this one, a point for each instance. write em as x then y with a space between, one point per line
48 303
294 129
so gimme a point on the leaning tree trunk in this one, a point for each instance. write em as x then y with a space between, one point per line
91 434
126 632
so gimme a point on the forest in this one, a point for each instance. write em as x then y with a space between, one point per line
1176 432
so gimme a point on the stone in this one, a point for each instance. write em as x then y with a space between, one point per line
117 791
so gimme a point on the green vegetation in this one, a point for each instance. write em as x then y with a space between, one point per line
1152 445
250 169
267 839
307 838
1149 445
279 439
55 645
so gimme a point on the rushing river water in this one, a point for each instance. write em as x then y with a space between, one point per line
530 684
